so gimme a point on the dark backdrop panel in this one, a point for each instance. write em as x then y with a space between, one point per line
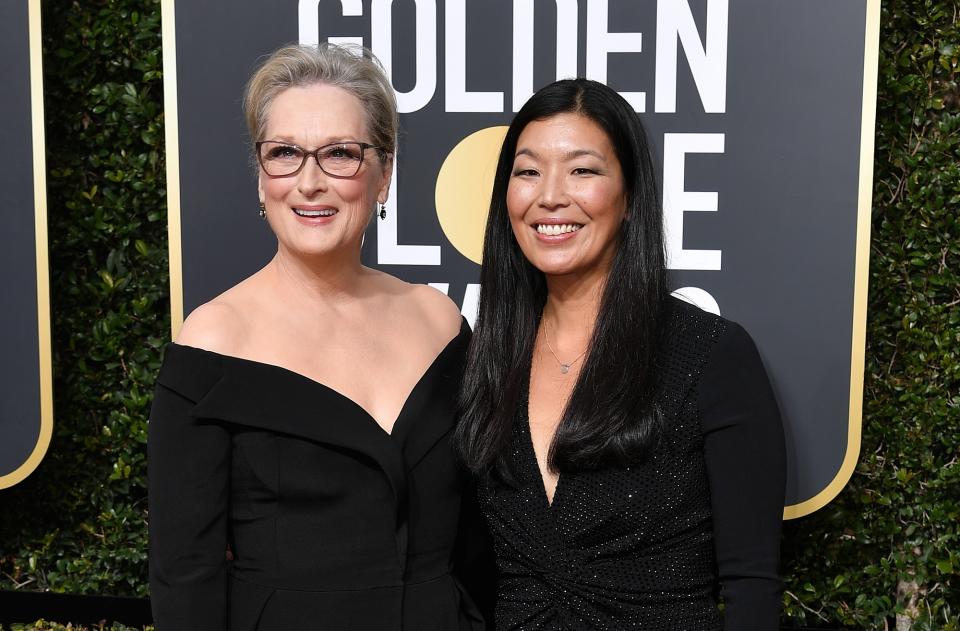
20 413
787 180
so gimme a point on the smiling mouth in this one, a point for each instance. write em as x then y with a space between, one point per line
326 212
557 229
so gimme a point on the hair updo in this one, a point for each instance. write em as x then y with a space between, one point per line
349 67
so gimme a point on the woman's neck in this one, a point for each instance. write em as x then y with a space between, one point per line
573 303
329 279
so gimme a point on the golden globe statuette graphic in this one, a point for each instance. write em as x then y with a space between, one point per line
463 189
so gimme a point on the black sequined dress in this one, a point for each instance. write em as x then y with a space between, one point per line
657 545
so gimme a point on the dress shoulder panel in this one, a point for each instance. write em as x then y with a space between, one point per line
689 337
683 318
190 372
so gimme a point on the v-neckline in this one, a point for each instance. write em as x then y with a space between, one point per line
533 465
464 328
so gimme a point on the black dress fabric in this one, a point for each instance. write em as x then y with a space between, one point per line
332 522
654 546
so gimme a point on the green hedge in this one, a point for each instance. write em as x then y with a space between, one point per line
43 625
85 530
886 547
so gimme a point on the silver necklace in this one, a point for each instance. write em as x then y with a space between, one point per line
564 366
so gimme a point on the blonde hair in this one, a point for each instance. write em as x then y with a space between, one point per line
351 68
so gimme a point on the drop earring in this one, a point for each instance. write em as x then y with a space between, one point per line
263 210
383 211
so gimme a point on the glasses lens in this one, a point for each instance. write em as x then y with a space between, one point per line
280 159
341 159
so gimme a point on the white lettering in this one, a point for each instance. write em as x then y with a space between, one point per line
389 252
523 47
309 25
457 97
381 42
676 200
471 303
708 63
601 42
676 28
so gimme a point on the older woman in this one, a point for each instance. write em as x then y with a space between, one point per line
302 418
629 446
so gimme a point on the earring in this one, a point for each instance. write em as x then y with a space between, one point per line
383 211
263 210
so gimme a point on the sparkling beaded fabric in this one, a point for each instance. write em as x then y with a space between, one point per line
624 548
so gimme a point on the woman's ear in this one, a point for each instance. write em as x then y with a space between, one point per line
384 190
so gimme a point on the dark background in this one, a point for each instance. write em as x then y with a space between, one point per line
19 322
787 180
883 554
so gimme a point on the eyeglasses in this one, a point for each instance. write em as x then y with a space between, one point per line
340 159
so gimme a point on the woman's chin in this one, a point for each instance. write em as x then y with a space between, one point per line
308 249
570 266
552 267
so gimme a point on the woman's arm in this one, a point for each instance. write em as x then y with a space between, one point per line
188 470
745 457
474 558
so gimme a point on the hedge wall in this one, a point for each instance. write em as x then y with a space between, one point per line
887 548
85 530
884 554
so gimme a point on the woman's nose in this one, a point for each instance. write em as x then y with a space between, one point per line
553 191
311 178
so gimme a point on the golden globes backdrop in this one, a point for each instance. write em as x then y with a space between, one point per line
26 415
762 116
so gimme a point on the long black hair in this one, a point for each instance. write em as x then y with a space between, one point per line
611 417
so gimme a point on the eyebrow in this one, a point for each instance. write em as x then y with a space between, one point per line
291 141
570 155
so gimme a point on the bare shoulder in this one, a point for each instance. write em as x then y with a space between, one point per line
424 305
216 326
437 309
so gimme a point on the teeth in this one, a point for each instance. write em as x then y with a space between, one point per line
326 212
555 229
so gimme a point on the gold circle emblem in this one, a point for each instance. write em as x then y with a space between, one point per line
463 189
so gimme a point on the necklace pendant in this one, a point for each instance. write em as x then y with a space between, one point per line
564 368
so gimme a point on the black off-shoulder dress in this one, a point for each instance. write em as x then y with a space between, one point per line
333 523
655 546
